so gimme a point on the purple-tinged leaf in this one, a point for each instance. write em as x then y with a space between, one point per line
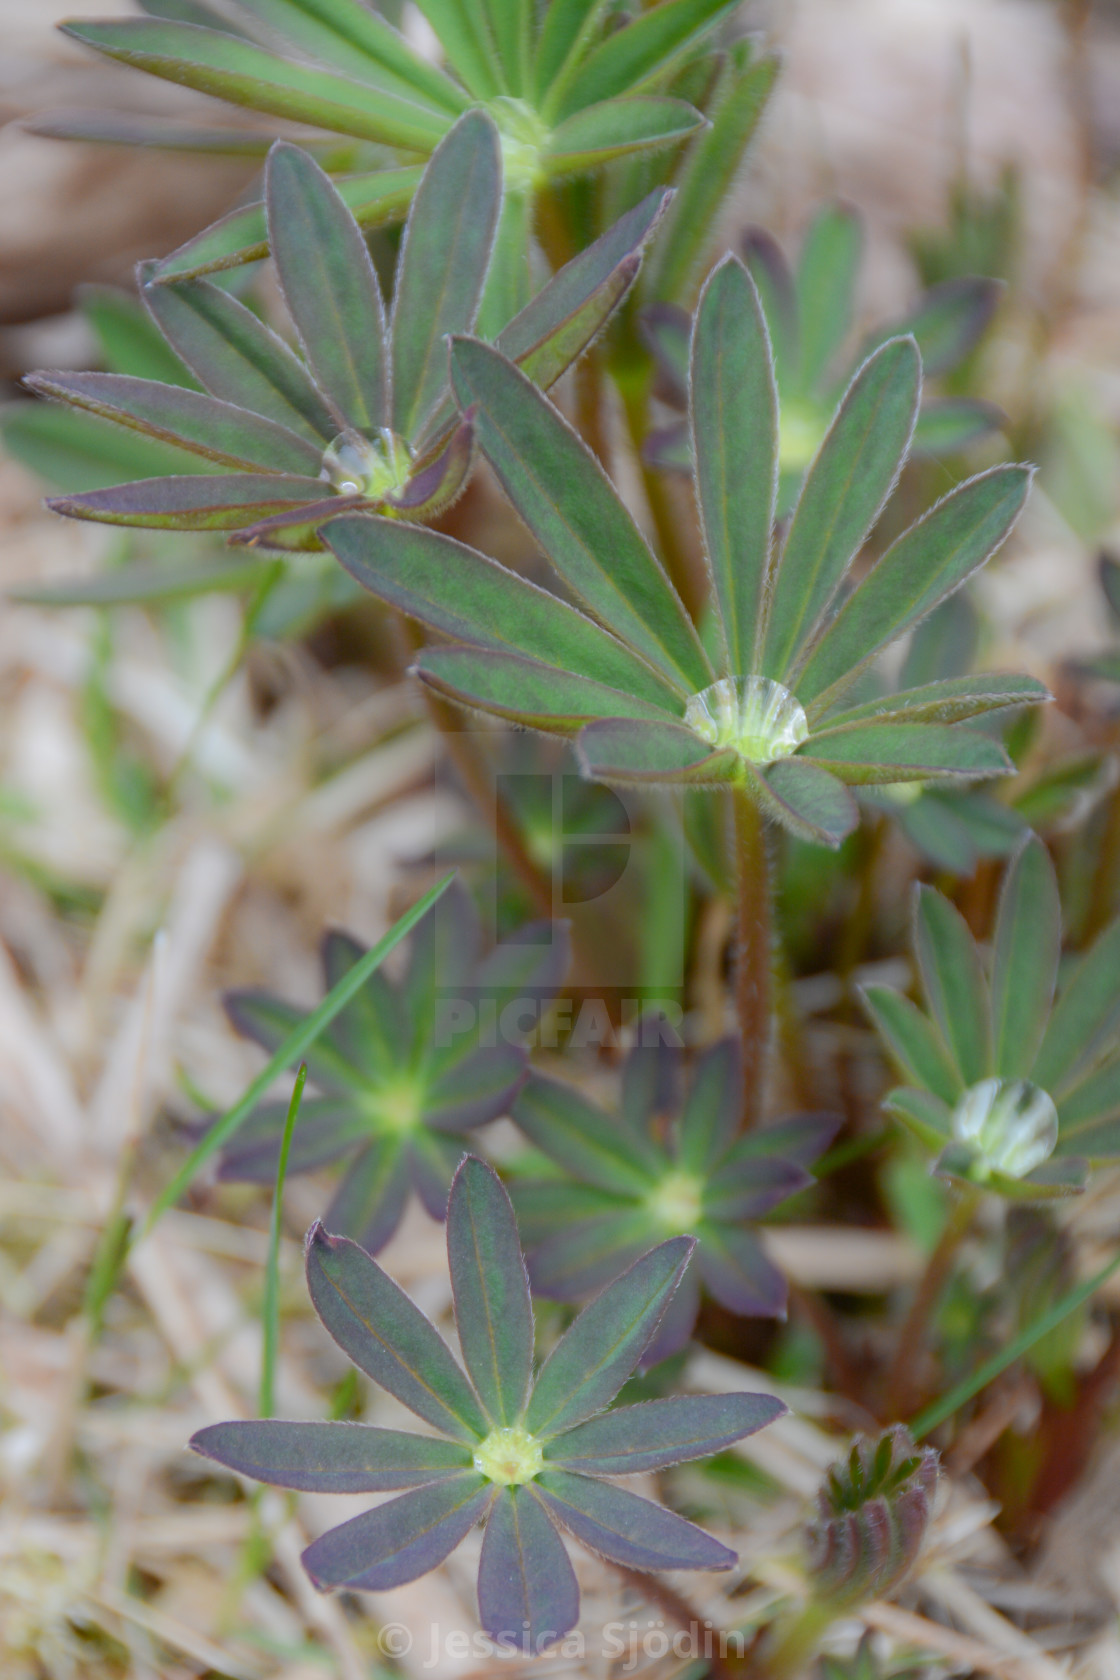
297 527
442 954
442 266
224 502
216 430
561 1121
525 691
434 1158
875 753
713 1110
400 1540
677 1323
370 1028
462 594
242 235
1026 948
476 1088
387 1336
657 1433
570 507
954 982
530 963
596 1354
738 1274
227 68
592 1252
488 1279
268 1020
669 448
327 1127
667 330
948 701
237 357
845 490
434 489
799 1138
550 1207
950 319
634 752
734 413
629 1530
331 1457
615 127
808 801
527 1590
371 1197
330 287
745 1189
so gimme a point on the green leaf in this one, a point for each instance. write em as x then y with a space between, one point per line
844 493
954 983
947 701
534 695
565 29
947 425
228 68
650 754
594 1357
907 752
713 1110
464 595
269 1022
129 341
119 128
386 1336
612 129
330 1457
1089 1115
527 1590
136 585
571 509
808 801
825 286
329 286
400 1540
442 266
78 452
511 26
215 430
336 32
926 564
1085 1017
950 319
1025 951
238 358
580 1137
734 411
912 1042
641 51
492 1307
242 236
707 174
929 1118
464 34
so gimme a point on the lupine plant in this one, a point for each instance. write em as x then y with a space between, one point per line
759 705
531 1455
1018 1090
661 1166
364 419
810 316
405 1070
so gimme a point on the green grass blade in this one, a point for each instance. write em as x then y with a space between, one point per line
734 412
291 1050
270 1313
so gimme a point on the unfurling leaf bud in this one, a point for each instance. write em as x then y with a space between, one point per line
872 1516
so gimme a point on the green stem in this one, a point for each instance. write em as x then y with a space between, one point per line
788 1653
902 1374
753 955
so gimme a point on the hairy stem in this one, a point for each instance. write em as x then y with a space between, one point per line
753 950
902 1374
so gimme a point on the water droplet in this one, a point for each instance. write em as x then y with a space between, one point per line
758 718
1011 1124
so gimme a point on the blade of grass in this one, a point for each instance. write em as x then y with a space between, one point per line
958 1396
271 1309
291 1050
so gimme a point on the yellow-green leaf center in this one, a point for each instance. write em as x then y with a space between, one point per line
397 1108
677 1201
509 1456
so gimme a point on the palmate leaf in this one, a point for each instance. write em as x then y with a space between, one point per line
525 1486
